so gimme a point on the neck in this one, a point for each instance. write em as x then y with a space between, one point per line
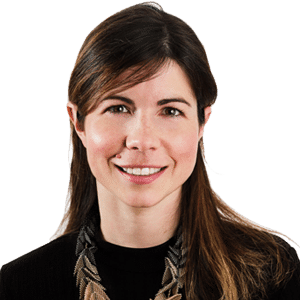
139 227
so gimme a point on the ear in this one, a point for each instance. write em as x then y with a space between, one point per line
72 111
207 113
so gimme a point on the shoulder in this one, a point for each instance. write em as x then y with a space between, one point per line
292 261
289 288
276 263
42 256
36 272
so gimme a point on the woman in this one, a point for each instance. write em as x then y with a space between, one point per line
143 221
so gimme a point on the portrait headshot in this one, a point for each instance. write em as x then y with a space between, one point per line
150 150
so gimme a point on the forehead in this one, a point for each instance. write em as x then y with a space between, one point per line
169 80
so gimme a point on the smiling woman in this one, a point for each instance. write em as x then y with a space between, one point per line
143 221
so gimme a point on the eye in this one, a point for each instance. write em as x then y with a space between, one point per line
172 112
168 111
117 109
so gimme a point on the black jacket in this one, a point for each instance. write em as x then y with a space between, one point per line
47 273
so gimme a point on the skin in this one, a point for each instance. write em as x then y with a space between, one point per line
142 133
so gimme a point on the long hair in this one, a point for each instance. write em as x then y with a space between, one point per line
228 256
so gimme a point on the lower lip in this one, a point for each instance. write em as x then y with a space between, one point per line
144 179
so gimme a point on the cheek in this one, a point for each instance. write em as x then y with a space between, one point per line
185 148
101 142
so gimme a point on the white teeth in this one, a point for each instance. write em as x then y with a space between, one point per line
136 171
141 172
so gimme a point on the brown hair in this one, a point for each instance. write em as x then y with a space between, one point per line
228 256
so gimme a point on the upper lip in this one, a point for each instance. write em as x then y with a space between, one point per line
140 166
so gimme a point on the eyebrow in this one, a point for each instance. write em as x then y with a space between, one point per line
160 102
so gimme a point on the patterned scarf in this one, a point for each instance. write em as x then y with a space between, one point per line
88 279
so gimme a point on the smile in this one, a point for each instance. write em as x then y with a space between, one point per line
141 175
141 171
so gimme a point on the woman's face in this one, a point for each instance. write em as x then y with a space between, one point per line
142 143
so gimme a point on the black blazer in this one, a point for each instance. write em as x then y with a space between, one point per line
46 274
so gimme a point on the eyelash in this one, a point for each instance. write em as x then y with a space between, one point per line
112 109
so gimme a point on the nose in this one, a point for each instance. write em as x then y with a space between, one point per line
142 135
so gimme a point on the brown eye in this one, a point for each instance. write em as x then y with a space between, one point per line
118 109
172 112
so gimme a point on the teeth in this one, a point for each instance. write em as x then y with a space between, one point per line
141 172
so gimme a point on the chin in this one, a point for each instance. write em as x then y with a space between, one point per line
148 199
141 202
